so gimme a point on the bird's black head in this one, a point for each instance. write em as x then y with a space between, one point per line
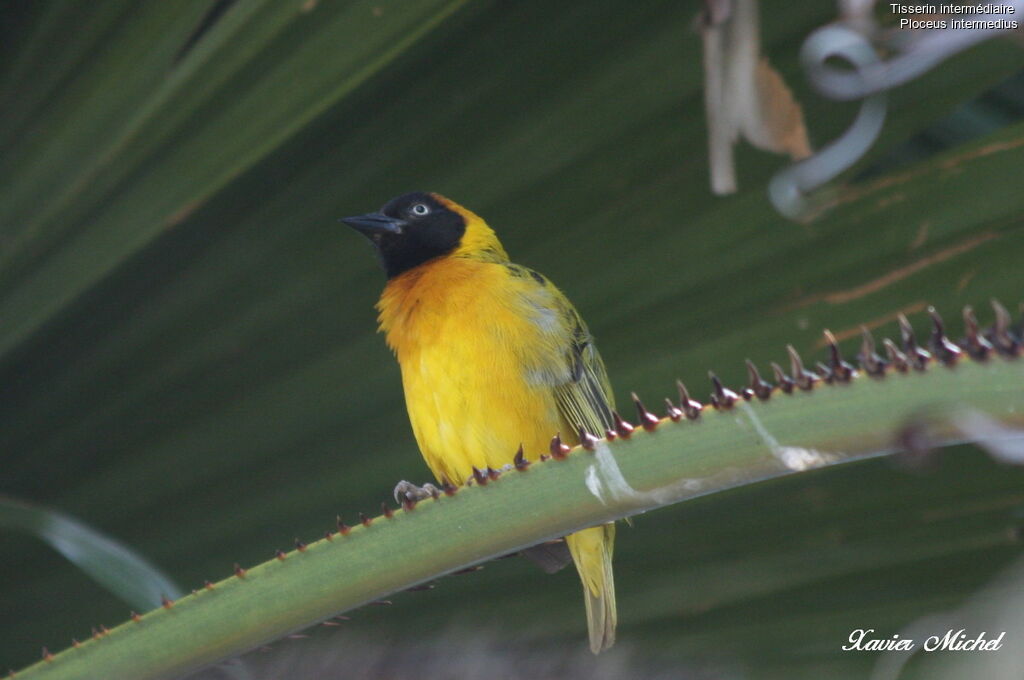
411 229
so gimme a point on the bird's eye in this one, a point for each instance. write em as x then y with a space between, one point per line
420 210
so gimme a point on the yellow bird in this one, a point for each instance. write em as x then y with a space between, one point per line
493 357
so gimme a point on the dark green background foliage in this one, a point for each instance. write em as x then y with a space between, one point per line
187 349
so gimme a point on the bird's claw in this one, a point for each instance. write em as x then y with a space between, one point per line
407 491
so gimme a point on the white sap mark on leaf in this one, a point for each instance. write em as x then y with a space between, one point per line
605 477
594 484
793 457
799 459
609 470
1004 443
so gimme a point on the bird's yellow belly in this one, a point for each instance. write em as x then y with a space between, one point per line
470 403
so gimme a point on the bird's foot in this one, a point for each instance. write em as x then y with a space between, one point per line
407 491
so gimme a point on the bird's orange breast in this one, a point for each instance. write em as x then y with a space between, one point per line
464 337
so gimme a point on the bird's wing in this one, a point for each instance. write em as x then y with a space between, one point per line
572 366
585 401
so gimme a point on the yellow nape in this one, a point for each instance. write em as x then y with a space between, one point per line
479 239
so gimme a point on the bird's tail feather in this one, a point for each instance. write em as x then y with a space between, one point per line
592 552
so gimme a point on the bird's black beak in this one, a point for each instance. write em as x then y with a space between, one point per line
374 224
